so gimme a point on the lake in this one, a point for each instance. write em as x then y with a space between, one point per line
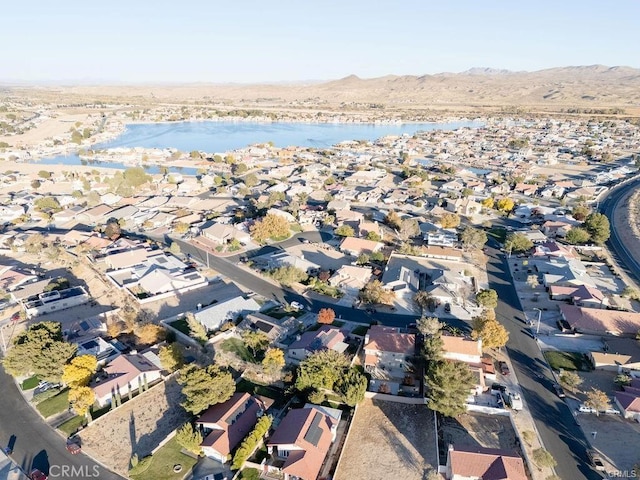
223 136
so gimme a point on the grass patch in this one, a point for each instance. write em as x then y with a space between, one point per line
237 346
72 425
360 330
30 383
253 388
314 328
249 474
54 405
162 462
338 323
182 326
279 313
500 234
567 361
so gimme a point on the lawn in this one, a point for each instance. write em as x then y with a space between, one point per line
567 361
249 474
360 330
160 466
237 346
500 234
72 425
338 323
182 326
54 405
30 383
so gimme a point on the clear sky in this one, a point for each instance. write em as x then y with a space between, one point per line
284 40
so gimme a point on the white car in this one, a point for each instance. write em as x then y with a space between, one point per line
585 409
297 306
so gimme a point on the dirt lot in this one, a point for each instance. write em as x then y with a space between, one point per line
472 430
138 426
389 440
618 455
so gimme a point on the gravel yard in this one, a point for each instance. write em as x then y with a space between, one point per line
389 440
138 426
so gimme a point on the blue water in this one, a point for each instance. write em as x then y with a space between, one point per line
220 137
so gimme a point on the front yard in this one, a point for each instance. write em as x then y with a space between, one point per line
567 361
54 405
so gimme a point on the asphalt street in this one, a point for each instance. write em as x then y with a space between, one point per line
35 444
558 429
625 260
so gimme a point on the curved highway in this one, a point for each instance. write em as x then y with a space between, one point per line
626 260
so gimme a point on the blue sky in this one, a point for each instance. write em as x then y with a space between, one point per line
257 41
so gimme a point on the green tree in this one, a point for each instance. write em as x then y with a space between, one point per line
135 177
249 444
189 439
517 242
44 174
363 259
622 380
35 244
580 212
198 331
432 347
577 236
543 458
351 387
171 357
345 231
374 292
251 180
270 226
598 227
487 298
373 236
473 238
256 341
203 387
321 370
181 228
449 220
39 350
239 168
288 274
449 385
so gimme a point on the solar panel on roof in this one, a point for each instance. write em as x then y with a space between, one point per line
161 260
314 432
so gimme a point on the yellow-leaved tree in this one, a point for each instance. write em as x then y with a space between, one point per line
78 372
81 399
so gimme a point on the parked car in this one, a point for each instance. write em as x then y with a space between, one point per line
504 368
297 305
37 475
595 460
559 390
498 388
584 409
447 307
73 448
514 401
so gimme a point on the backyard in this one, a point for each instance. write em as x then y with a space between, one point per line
161 466
389 440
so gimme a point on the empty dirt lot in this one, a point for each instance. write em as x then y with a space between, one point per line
389 440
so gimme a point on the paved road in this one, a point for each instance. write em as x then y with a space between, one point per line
625 259
554 420
35 444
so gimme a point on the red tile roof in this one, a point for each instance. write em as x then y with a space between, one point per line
599 320
488 464
630 402
231 422
310 430
388 339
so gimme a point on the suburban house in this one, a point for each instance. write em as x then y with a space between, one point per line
628 401
259 322
222 234
388 357
123 375
462 349
286 259
485 464
300 444
325 338
357 246
47 302
599 321
99 348
213 316
582 296
226 424
350 279
12 278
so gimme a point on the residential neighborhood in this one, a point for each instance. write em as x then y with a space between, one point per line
360 311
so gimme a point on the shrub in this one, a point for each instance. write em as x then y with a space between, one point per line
252 440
